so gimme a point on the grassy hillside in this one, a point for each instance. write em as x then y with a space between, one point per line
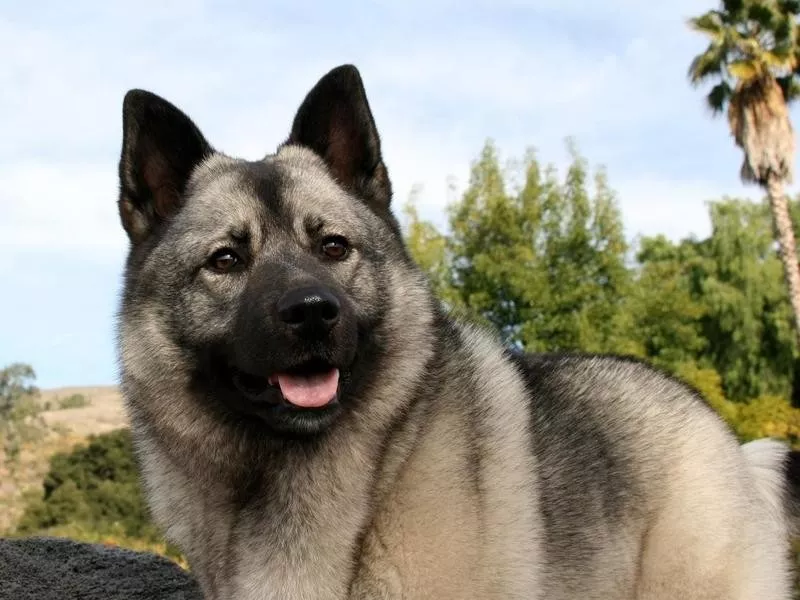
99 411
104 411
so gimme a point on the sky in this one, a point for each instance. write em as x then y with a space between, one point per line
442 77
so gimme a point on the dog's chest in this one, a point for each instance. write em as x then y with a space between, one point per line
289 541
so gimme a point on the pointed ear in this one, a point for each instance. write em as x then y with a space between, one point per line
336 122
160 149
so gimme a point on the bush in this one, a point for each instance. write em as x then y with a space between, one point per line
95 487
766 416
74 401
769 416
709 384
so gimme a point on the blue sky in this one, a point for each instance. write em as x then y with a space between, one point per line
442 76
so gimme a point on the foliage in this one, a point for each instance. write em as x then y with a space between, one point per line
95 486
768 416
708 384
754 54
546 266
720 302
428 248
748 41
16 385
665 313
765 416
73 401
18 410
543 261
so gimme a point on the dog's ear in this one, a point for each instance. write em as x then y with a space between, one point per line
336 122
160 148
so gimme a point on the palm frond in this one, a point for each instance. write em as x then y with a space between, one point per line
745 70
763 14
734 8
790 88
710 24
718 97
782 58
708 64
784 30
789 7
749 46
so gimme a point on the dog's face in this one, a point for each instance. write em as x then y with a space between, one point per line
265 280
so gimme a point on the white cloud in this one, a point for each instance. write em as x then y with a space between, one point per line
676 209
58 207
437 95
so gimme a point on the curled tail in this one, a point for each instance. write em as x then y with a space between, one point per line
776 472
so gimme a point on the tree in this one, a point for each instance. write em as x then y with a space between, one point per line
719 303
754 55
15 385
540 260
748 320
16 405
666 310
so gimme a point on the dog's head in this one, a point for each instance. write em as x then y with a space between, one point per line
269 286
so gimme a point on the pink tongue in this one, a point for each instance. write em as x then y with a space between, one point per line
311 391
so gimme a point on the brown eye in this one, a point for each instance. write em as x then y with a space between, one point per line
335 247
223 260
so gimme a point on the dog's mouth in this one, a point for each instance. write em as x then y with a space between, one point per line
311 385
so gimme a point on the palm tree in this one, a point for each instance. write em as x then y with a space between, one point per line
754 56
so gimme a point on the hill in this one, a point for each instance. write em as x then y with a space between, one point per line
104 411
96 409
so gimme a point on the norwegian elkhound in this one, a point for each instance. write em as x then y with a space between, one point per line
311 424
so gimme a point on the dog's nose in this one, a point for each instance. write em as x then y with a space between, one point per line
309 309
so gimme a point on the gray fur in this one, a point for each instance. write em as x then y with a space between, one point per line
454 469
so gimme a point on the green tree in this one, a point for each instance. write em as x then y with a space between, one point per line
753 55
16 384
748 319
719 303
17 408
540 260
667 315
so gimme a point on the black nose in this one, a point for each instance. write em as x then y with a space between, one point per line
309 309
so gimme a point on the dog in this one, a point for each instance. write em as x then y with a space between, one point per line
311 423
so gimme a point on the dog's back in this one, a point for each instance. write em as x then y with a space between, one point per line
567 477
648 491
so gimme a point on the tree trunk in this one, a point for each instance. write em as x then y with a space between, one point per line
787 249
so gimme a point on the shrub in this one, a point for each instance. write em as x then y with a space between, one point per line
766 416
74 401
769 416
94 487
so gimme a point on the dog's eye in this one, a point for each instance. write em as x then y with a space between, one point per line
335 247
223 260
